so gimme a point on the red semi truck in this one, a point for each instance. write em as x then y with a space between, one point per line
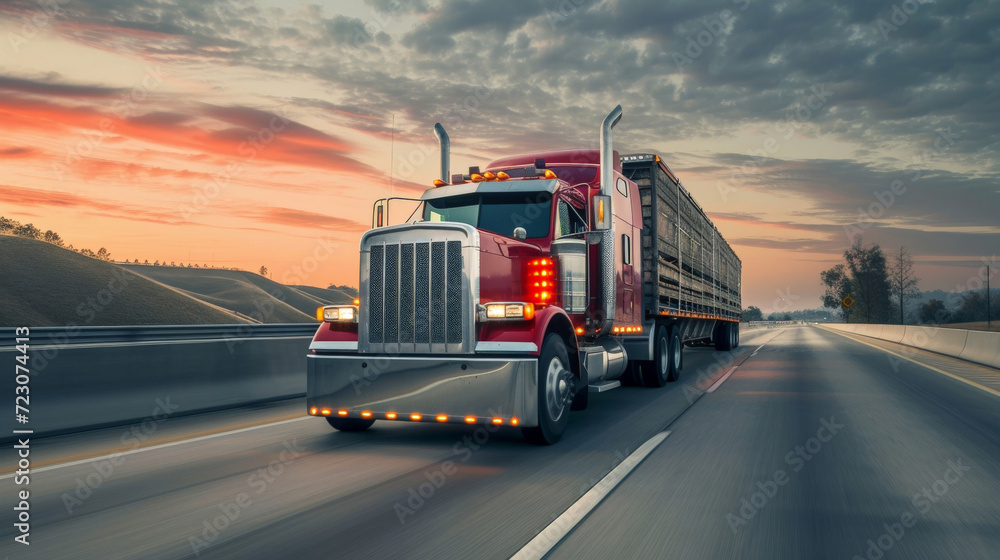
519 289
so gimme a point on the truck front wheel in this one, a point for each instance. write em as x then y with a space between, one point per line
555 390
350 424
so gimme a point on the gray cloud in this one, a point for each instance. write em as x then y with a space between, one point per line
520 76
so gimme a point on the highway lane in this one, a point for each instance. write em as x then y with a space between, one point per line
893 464
336 495
280 487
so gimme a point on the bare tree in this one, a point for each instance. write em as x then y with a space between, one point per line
902 281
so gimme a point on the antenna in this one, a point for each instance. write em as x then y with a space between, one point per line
392 148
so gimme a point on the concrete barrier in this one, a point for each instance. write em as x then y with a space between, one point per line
975 346
97 376
949 342
893 333
982 347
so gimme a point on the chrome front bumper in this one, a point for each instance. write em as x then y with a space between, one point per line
453 389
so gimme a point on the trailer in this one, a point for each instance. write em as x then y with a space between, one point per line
517 290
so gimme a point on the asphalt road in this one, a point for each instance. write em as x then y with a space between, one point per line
826 441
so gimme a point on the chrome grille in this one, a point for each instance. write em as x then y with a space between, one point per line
419 291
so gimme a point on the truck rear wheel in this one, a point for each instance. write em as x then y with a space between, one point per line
666 363
350 424
676 356
555 389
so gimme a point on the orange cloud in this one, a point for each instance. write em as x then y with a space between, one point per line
303 219
27 197
239 134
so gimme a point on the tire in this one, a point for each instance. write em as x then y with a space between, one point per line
676 357
553 392
723 336
659 375
736 335
350 424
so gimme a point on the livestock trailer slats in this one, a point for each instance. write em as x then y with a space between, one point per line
687 266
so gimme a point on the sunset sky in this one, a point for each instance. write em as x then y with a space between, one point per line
249 133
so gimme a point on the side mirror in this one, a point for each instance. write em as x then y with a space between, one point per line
602 212
520 233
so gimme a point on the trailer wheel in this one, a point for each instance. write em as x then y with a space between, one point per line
736 335
659 374
350 424
723 336
555 389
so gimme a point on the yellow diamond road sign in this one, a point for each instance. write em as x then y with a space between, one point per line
848 301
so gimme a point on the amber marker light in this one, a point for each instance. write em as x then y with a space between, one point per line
579 330
470 419
319 313
488 176
313 410
501 176
476 178
366 414
439 183
497 421
514 421
390 415
342 412
415 417
442 417
357 301
549 174
326 412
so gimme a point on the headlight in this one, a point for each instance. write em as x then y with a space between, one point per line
339 314
514 310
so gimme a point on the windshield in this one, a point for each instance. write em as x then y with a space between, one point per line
497 213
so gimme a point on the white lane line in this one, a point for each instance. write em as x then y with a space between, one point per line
731 370
721 380
152 447
545 541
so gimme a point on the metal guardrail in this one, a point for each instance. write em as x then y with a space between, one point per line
61 336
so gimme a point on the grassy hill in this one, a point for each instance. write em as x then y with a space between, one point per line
44 285
250 294
326 295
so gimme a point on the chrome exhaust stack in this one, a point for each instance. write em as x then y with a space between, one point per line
608 152
445 142
607 250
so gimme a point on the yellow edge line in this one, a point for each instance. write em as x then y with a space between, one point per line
114 450
907 358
